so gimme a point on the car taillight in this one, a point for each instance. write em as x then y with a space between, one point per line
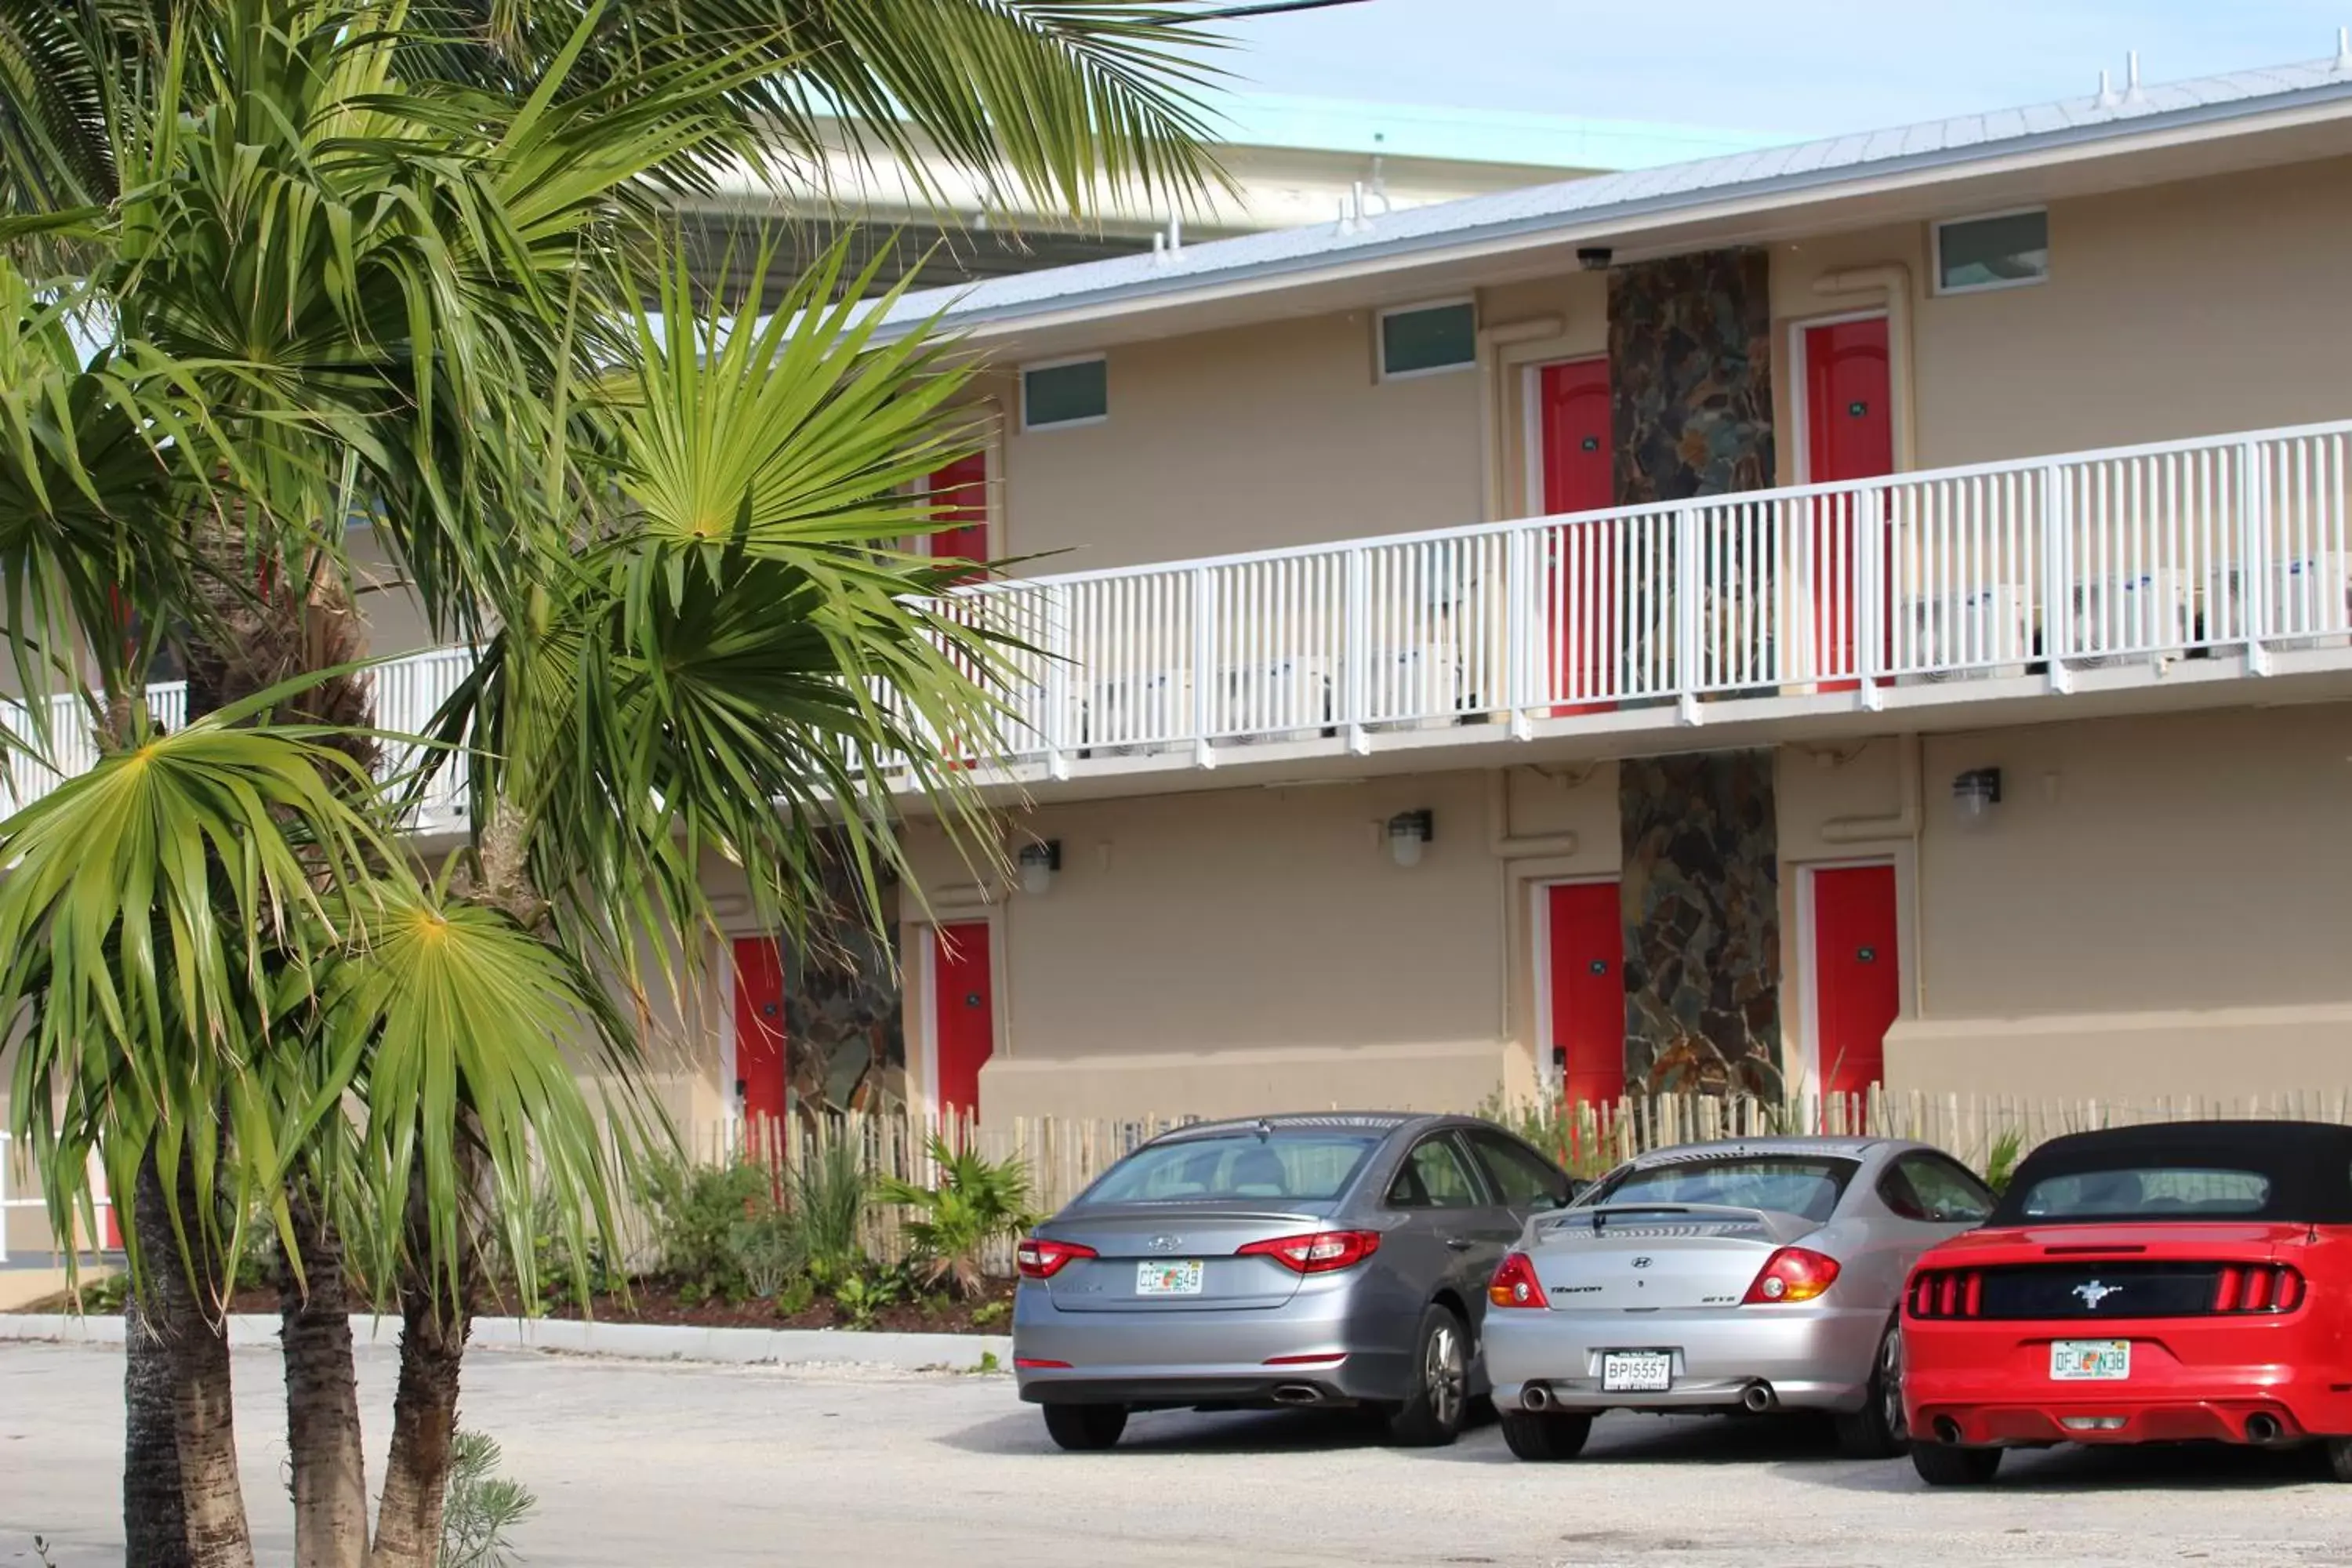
1515 1284
1042 1260
2257 1288
1792 1274
1947 1293
1319 1252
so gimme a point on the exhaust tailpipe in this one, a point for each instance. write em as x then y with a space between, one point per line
1757 1398
1297 1393
1947 1430
1534 1397
2261 1428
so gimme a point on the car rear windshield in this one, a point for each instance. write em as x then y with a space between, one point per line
1807 1184
2142 1192
1314 1168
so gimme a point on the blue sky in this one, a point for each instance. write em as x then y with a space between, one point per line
1796 67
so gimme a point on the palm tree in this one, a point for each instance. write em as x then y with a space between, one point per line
341 259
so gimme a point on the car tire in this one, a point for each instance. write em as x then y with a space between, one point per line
1433 1411
1545 1439
1876 1430
1085 1428
2339 1459
1942 1465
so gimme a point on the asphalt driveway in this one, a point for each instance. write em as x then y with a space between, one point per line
638 1466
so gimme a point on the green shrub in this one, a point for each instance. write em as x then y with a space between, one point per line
480 1506
830 1195
797 1298
989 1312
862 1296
978 1203
695 1209
770 1250
2001 1163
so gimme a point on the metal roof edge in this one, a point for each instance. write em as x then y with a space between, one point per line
1481 236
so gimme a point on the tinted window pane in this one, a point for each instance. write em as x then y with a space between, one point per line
2146 1191
1063 393
1433 339
1947 1194
1809 1185
1994 250
1314 1166
1524 1178
1434 1176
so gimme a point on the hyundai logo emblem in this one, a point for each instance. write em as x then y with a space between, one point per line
2095 1293
1640 1263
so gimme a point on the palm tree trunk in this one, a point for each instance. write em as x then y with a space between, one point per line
424 1424
154 1526
203 1416
323 1397
424 1406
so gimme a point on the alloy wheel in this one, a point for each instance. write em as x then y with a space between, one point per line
1446 1376
1890 1384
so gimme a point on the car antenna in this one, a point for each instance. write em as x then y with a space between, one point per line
1265 1129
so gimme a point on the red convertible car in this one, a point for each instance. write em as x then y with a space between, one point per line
2183 1281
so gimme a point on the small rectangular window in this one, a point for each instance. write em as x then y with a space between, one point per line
1998 252
1423 339
1067 392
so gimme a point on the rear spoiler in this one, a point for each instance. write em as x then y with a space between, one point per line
1781 1227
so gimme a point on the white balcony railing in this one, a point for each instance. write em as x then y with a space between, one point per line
2045 566
1653 616
409 691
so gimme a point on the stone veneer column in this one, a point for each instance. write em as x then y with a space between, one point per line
1690 348
1701 897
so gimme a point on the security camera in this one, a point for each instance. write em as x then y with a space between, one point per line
1593 257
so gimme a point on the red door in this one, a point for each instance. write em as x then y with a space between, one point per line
1849 434
1859 985
759 1029
1586 961
1579 471
960 494
964 1013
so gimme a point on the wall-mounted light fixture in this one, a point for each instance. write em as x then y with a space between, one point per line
1594 257
1975 793
1408 831
1039 859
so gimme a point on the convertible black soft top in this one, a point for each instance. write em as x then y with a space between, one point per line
2307 1163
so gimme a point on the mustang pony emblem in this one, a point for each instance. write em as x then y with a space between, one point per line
2095 1293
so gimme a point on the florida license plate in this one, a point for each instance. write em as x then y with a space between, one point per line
1636 1372
1168 1279
2090 1361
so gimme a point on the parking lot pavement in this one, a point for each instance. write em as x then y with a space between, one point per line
648 1465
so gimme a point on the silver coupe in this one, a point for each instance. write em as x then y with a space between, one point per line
1337 1260
1757 1276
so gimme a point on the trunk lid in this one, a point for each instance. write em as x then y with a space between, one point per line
1148 1253
1652 1257
2056 1272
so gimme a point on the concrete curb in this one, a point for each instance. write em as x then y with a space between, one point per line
615 1342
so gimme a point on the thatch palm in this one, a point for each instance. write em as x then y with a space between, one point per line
341 262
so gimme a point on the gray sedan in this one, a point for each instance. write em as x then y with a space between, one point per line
1336 1260
1754 1276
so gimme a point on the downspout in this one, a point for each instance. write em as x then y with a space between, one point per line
1894 280
1903 824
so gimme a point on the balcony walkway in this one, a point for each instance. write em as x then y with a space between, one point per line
2033 588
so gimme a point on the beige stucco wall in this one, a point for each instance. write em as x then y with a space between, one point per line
2196 308
1243 949
2156 908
